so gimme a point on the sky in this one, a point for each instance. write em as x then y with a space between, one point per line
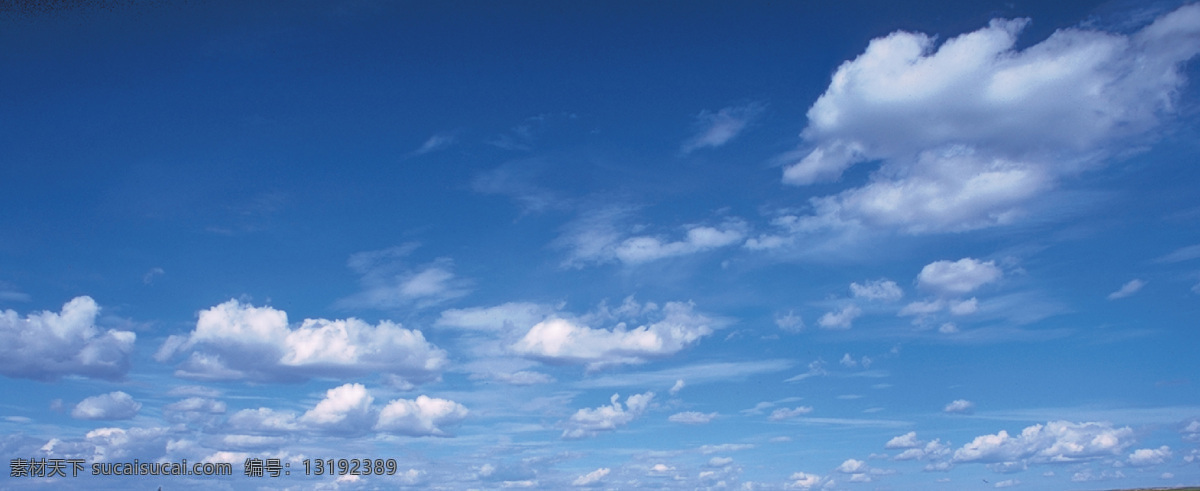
603 245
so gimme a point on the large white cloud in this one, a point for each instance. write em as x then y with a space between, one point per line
565 341
234 341
591 421
1056 441
110 406
48 345
971 129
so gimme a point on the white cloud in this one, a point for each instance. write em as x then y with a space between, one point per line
923 307
725 447
881 289
679 385
48 345
388 284
505 317
601 236
804 480
264 420
790 322
240 341
1056 441
931 450
346 409
716 129
971 130
784 413
960 406
964 307
692 417
425 416
591 477
720 461
958 277
907 440
841 319
589 422
851 466
848 361
1150 456
561 340
1007 483
110 406
1127 289
948 328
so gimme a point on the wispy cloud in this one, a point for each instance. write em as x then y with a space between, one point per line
715 129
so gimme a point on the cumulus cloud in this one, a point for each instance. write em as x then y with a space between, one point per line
804 480
565 341
960 406
425 416
1150 456
591 421
841 319
851 466
881 289
346 409
110 406
931 450
388 283
972 129
784 413
236 341
48 345
692 417
349 409
1056 441
716 129
591 477
958 277
907 440
1127 289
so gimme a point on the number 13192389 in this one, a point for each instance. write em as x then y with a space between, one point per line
342 467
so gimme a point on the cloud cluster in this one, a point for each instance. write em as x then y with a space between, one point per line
565 341
236 341
349 410
1056 441
591 421
972 129
49 345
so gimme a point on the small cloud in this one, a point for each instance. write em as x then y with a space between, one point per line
960 406
679 385
841 319
958 277
589 422
1127 289
785 413
110 406
881 289
148 278
692 418
434 143
717 129
790 322
591 477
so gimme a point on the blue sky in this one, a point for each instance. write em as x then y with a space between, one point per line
805 245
